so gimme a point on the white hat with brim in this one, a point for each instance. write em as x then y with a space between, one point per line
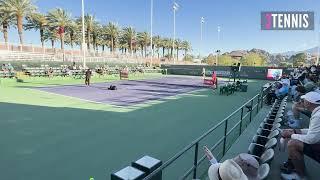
228 170
312 97
248 164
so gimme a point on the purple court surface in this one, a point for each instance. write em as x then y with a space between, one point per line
130 92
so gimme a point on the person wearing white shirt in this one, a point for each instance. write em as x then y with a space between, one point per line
303 141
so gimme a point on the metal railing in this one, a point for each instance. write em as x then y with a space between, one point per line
253 106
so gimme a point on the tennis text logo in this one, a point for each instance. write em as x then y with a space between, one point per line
287 20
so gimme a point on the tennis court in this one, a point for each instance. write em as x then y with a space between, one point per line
53 136
130 92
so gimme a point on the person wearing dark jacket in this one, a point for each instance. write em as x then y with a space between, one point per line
88 76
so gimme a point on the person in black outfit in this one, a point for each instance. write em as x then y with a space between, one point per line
88 76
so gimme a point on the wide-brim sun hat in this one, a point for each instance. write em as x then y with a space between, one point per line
228 170
248 164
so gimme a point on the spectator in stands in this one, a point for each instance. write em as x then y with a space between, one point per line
3 68
303 141
10 67
297 108
247 163
279 90
300 90
283 89
228 170
50 72
88 77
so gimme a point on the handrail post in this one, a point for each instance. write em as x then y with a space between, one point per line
195 162
251 110
225 137
241 121
262 96
259 98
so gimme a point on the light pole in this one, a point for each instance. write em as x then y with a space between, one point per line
218 51
201 24
151 32
83 37
175 8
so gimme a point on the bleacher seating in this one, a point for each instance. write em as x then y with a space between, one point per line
7 74
63 70
265 140
25 56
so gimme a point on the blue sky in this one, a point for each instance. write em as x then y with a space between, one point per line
239 21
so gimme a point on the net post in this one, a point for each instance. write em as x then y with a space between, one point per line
251 110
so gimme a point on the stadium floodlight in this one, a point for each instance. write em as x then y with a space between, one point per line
202 21
175 8
83 37
151 31
218 51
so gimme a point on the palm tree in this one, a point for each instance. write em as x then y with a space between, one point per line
50 34
129 35
123 44
143 40
89 22
178 46
156 43
73 31
186 47
20 9
169 46
59 19
39 22
96 34
164 44
112 33
6 19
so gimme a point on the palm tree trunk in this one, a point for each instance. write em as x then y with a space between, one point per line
112 45
52 43
142 51
152 49
131 47
20 28
5 31
62 41
71 39
94 42
41 37
171 53
163 51
88 39
145 51
177 54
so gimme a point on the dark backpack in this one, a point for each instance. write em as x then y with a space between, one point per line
112 88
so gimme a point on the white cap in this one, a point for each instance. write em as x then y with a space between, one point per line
312 97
